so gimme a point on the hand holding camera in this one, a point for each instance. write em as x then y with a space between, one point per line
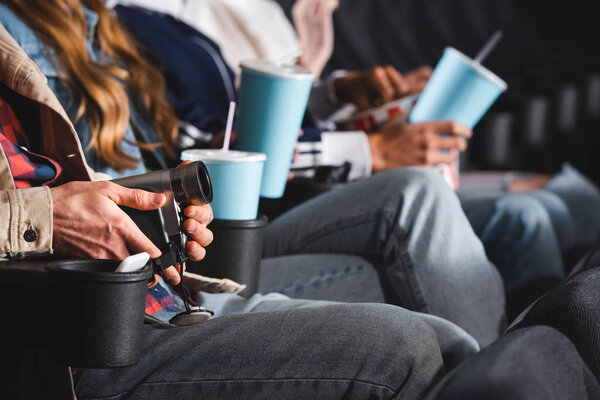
88 222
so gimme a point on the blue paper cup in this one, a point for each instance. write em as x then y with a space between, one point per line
271 106
236 178
460 90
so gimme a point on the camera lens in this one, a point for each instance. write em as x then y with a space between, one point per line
191 184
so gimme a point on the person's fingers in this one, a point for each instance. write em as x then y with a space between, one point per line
434 157
381 85
195 251
329 6
417 79
296 153
448 127
298 9
398 83
171 276
203 214
133 198
197 232
361 100
394 125
423 72
135 240
184 163
451 143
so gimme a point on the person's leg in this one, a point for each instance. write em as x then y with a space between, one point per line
344 279
337 351
573 308
335 277
520 240
537 363
409 224
573 203
455 344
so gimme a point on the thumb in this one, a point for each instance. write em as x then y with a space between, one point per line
361 101
135 198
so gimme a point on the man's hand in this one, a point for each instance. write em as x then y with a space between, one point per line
313 20
399 144
417 79
376 86
88 223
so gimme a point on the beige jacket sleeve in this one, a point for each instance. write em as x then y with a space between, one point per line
26 228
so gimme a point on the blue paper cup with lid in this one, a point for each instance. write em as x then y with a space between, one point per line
271 106
460 90
236 178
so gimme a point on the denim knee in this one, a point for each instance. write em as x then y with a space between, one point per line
395 330
416 189
524 215
417 178
522 229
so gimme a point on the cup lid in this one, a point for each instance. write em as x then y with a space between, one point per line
269 68
222 156
483 71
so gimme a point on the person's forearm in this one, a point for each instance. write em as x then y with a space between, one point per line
27 227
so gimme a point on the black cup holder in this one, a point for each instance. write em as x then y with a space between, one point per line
235 252
99 313
86 314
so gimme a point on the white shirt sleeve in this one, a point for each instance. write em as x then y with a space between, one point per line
339 147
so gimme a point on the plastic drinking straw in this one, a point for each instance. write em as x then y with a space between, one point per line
229 127
489 46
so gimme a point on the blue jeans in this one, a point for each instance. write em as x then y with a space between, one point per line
525 234
351 351
398 236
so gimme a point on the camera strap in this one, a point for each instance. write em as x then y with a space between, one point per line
192 314
172 257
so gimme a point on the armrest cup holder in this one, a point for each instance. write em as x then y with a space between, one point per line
88 315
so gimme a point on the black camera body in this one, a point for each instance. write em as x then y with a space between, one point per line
186 185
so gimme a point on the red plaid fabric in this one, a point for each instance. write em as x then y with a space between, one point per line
28 169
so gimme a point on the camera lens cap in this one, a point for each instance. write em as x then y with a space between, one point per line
192 316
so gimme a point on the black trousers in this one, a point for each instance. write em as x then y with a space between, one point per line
531 363
573 308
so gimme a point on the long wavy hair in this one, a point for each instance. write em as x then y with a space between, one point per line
102 89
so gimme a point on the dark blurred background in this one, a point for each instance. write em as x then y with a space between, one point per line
548 56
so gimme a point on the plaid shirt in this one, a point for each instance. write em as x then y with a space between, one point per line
28 169
31 170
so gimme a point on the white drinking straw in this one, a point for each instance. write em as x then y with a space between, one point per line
489 46
229 127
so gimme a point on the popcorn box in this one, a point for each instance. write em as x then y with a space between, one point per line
370 120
